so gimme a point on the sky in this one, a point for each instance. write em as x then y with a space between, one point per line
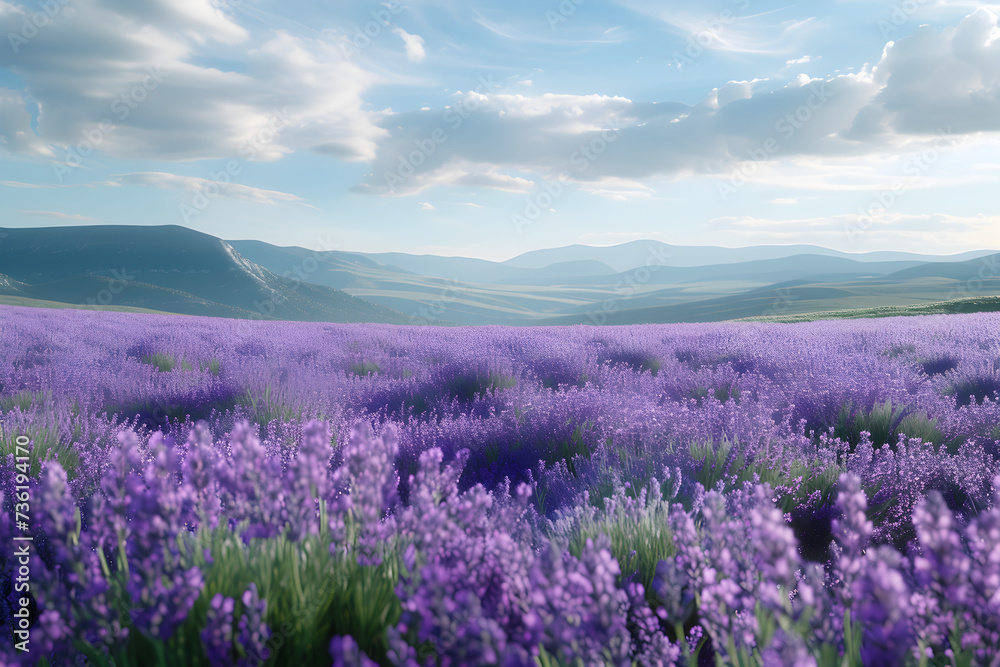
486 129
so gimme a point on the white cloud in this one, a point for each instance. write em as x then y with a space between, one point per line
939 80
426 206
725 27
167 181
414 45
143 68
59 216
590 138
908 232
16 135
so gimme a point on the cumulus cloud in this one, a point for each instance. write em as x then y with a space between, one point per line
142 68
414 45
934 81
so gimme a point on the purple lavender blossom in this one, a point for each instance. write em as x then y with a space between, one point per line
217 636
346 653
253 631
882 608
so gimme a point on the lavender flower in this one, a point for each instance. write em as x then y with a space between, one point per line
345 653
253 631
217 636
851 533
883 609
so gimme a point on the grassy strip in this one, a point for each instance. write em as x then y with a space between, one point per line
979 304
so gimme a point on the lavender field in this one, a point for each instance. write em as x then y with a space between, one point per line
223 492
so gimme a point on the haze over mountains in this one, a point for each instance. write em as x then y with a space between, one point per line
178 270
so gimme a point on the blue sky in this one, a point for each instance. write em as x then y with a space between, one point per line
490 129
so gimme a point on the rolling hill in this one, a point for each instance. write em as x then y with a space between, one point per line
165 268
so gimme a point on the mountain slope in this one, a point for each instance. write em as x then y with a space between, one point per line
167 268
633 254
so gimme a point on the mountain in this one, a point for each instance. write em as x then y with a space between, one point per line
565 292
633 254
944 282
164 268
178 270
979 269
461 269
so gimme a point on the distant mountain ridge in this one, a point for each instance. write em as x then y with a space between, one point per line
625 256
164 268
178 270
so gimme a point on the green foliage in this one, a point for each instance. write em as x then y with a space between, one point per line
900 350
974 390
25 400
722 393
212 366
163 362
881 422
726 463
466 386
639 538
886 423
727 391
312 595
978 304
919 425
698 394
575 445
362 368
265 406
46 444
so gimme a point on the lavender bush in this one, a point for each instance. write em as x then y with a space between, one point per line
249 493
